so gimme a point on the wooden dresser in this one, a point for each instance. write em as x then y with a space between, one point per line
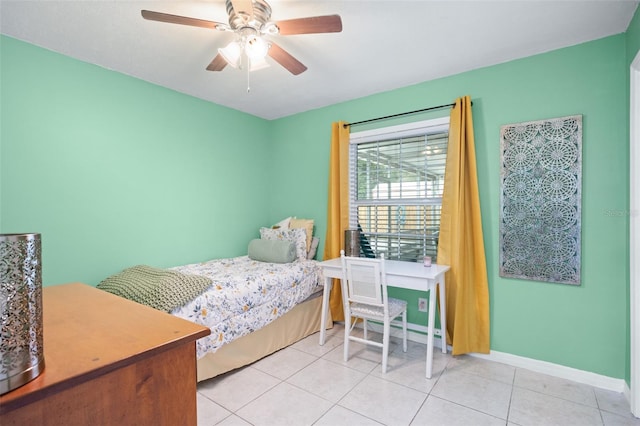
108 361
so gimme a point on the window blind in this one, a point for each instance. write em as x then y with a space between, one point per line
395 189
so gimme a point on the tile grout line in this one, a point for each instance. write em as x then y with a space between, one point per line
513 385
595 395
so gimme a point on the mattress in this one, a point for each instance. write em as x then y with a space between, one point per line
245 296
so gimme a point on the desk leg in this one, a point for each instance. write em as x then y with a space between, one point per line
325 309
431 326
443 315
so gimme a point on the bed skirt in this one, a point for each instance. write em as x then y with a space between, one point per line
295 325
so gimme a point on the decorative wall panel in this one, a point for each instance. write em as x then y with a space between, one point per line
540 200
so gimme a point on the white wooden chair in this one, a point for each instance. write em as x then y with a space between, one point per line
364 296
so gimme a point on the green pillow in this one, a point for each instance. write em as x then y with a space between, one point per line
273 251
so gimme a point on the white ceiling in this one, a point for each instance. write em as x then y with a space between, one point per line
384 45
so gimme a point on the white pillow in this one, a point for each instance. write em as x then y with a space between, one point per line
283 224
314 247
298 236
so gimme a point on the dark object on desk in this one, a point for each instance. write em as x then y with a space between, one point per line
365 245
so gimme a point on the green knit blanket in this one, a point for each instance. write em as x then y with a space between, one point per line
161 289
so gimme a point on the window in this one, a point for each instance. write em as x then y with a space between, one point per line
396 178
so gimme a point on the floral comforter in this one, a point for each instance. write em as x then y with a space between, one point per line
245 296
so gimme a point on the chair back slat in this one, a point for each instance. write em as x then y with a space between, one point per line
365 279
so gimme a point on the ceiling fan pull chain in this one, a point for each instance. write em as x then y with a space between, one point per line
248 75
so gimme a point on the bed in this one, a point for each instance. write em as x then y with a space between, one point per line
254 304
253 309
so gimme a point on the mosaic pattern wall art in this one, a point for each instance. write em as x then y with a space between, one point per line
540 200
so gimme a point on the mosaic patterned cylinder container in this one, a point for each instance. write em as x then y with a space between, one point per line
21 338
352 242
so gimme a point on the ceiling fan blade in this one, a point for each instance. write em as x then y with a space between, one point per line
243 6
182 20
294 66
312 25
217 64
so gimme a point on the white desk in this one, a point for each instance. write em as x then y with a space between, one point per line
409 275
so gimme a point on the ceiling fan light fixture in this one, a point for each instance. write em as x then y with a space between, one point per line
257 64
256 48
232 53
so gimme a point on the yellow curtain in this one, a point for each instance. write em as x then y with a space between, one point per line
338 207
461 243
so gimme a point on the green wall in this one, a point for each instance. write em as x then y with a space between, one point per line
113 171
584 327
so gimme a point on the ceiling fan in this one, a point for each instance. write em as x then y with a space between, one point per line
250 20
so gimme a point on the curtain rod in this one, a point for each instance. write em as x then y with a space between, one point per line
398 115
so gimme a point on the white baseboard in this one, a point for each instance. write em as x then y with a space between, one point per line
418 333
557 370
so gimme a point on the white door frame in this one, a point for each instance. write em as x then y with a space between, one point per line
634 238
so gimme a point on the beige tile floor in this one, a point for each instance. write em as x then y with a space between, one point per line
309 384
